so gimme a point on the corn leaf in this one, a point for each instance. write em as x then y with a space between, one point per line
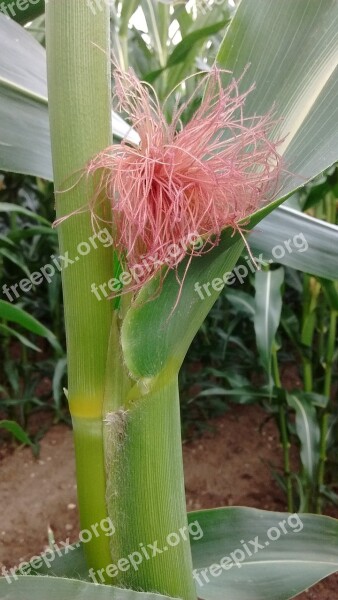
292 52
7 207
268 300
15 314
10 332
297 240
292 49
40 588
187 46
16 430
25 136
289 553
278 569
307 430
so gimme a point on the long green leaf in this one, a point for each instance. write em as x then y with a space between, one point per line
206 19
278 570
268 300
292 50
307 429
23 234
10 332
165 345
16 430
183 48
15 259
151 12
59 372
127 11
330 289
15 314
192 38
278 40
296 240
24 136
6 207
41 588
241 301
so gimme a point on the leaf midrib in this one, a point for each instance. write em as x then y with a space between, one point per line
8 84
283 561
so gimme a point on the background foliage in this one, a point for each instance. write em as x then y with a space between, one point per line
293 324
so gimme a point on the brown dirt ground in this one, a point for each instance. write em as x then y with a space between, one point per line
220 470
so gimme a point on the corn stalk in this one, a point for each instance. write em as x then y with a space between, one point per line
127 435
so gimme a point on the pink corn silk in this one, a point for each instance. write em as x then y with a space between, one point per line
200 179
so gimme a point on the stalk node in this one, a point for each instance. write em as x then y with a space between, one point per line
117 421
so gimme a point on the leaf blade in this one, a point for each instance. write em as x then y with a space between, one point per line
25 136
313 243
16 430
40 588
297 74
290 32
268 308
16 314
307 429
278 571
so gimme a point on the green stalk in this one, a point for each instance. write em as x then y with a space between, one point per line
322 308
330 209
331 342
324 426
142 454
127 11
145 488
163 28
283 432
80 119
311 292
154 27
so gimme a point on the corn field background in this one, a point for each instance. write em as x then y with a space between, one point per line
236 350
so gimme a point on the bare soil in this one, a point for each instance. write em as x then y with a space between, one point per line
230 465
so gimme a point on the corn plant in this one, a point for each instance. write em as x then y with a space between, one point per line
26 243
314 343
306 413
124 354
